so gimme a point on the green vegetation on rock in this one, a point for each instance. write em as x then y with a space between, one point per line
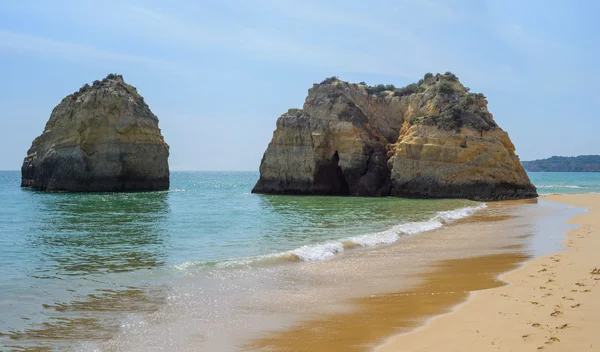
330 80
431 138
454 106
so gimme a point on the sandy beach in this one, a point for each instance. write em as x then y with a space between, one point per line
551 303
444 268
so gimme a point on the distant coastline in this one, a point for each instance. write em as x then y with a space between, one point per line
582 163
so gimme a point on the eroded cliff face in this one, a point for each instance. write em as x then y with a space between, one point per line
102 138
431 139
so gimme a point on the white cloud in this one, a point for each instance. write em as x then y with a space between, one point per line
366 38
20 42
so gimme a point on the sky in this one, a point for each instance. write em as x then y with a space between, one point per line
219 73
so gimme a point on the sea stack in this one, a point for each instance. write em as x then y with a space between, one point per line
102 138
431 139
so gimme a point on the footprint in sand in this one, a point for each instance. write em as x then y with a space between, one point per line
568 298
526 337
556 313
564 326
577 305
581 284
552 340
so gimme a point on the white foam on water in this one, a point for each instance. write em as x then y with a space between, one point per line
411 228
318 251
559 186
325 250
393 234
176 190
375 239
452 215
185 265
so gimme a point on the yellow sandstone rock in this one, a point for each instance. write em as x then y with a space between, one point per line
102 138
431 139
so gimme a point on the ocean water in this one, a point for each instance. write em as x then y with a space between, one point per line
93 271
566 182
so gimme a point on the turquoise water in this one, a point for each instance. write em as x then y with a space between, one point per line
72 264
566 182
76 267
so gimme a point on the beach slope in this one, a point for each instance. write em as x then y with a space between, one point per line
552 303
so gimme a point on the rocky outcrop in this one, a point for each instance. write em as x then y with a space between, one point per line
432 139
103 138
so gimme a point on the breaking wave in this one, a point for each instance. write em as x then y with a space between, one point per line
325 250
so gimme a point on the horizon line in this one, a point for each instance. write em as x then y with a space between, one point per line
177 170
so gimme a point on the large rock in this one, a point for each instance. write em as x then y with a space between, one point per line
432 139
103 138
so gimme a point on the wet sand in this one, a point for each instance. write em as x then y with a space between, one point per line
381 315
506 231
242 308
353 301
552 303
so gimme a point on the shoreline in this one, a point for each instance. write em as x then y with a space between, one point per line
467 256
547 304
358 299
274 297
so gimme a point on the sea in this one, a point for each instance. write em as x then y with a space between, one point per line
206 265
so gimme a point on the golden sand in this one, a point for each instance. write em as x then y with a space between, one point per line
551 304
379 316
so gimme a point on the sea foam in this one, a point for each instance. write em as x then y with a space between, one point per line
411 228
329 249
325 250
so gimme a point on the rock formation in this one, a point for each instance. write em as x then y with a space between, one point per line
103 138
432 139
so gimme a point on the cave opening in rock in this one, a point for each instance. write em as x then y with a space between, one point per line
330 177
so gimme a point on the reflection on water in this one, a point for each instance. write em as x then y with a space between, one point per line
87 250
85 234
80 268
360 208
312 216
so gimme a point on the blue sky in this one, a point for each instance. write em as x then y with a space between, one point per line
219 73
